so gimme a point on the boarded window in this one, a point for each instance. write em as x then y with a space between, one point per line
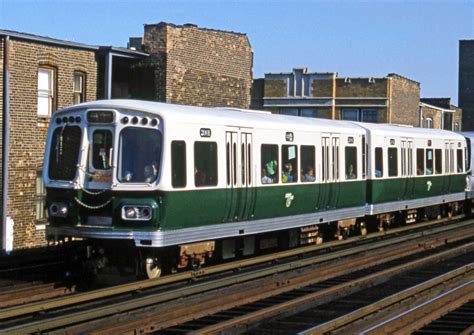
289 156
392 162
420 162
205 164
269 163
378 162
308 173
351 162
178 164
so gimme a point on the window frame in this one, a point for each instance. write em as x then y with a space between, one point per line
40 198
206 172
49 93
183 164
82 92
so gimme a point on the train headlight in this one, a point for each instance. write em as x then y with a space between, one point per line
58 209
136 213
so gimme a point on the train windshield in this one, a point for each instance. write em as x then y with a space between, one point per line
139 155
64 155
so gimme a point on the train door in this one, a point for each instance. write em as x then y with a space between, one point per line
329 190
449 164
239 176
407 167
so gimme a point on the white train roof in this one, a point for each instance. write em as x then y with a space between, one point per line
383 129
223 116
261 119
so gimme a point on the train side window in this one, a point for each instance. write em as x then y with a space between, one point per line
438 161
178 164
420 162
307 163
289 156
269 163
429 162
378 162
351 162
205 164
459 166
392 162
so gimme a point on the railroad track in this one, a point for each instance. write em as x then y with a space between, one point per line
150 306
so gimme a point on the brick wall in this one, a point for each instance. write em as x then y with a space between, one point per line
434 114
404 101
275 88
361 87
322 88
28 132
466 83
200 66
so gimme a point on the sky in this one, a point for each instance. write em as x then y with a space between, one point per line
416 39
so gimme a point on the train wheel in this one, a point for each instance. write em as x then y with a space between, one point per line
153 267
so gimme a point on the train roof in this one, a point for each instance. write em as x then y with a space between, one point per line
263 119
224 116
403 130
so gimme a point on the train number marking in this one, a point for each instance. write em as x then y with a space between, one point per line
289 198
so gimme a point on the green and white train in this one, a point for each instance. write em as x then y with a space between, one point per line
161 185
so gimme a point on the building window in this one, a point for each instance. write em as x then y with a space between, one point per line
429 122
306 112
78 87
309 112
369 115
350 114
289 111
40 197
46 90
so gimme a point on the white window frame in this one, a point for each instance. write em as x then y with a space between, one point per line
41 212
78 92
45 92
429 123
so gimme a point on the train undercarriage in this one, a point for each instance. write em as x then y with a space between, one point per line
98 256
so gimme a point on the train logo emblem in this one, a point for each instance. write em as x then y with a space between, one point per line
429 184
289 198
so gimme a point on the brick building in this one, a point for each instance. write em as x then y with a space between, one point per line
392 99
175 64
194 66
466 83
440 113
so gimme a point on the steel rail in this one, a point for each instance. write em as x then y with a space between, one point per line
426 312
190 275
156 298
216 302
390 301
324 294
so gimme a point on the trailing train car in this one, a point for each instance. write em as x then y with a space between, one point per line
411 171
160 184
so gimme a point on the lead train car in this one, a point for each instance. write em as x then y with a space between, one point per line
149 182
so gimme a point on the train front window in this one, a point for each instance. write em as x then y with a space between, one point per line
64 154
139 155
101 149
